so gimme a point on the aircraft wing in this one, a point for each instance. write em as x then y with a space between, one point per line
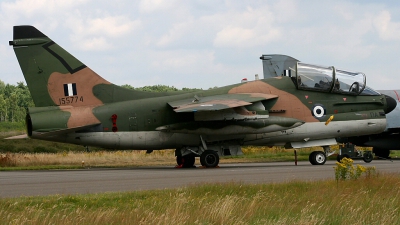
229 114
218 102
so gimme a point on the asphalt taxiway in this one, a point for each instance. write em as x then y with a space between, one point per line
94 180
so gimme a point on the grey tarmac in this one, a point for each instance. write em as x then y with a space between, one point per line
95 180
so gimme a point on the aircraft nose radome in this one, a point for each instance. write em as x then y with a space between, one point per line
390 104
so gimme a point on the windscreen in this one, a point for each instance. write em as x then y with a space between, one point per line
349 82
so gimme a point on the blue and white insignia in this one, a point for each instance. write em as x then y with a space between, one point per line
70 89
318 111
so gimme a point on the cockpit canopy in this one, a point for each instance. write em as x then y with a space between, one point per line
329 79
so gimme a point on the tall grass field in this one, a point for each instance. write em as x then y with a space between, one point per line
373 200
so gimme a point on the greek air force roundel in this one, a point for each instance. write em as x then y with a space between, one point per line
318 111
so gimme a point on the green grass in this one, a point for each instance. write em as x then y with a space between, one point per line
12 126
364 201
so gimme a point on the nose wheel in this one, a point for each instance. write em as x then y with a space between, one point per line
317 158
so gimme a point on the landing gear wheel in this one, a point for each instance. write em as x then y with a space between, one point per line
186 161
317 158
209 158
311 158
381 153
367 157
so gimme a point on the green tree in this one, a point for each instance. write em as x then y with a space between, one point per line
158 88
12 104
14 99
2 87
127 86
24 99
3 108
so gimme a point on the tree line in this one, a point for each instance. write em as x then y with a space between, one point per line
15 99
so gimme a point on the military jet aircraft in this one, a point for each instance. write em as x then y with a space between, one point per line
306 105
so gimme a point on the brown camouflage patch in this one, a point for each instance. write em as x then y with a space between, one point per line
80 116
287 104
262 95
84 79
80 105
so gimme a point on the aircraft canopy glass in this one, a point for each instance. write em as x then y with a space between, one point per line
314 77
329 79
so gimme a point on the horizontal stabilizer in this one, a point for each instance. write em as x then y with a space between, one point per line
218 102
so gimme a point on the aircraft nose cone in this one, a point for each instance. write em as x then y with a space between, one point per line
390 104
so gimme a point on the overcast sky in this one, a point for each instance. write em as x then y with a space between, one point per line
208 43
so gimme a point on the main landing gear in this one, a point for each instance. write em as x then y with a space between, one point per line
319 157
186 161
185 157
208 158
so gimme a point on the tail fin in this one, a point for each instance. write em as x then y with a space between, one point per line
53 75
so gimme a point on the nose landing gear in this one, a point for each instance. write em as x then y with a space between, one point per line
319 157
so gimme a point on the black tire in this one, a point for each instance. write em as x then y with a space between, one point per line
189 161
368 157
209 159
311 158
381 153
317 158
186 161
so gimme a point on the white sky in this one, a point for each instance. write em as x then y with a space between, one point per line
208 43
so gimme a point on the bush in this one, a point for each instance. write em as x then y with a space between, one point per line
345 170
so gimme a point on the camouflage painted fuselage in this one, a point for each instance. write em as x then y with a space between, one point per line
75 105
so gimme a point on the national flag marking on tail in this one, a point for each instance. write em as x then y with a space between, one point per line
70 89
287 73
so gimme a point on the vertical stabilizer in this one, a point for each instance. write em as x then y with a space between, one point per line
54 76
